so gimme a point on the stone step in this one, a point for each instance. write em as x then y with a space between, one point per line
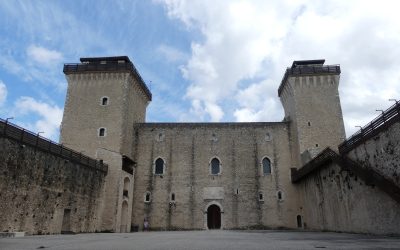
11 234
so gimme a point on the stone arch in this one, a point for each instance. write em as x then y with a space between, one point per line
124 217
214 207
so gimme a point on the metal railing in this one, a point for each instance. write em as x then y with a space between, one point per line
71 68
26 137
323 157
308 70
379 124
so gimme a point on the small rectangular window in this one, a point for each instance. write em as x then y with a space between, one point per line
102 132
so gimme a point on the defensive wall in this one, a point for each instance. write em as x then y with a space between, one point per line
358 189
46 188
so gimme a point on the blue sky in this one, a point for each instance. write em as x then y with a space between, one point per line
203 60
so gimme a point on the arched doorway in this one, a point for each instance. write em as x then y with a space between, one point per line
214 217
124 217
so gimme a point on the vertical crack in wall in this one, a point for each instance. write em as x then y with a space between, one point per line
169 185
135 177
235 186
148 206
256 178
191 184
277 181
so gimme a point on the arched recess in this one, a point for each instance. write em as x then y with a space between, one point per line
214 216
124 217
126 187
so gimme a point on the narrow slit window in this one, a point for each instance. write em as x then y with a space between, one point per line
173 197
260 196
147 197
266 164
280 195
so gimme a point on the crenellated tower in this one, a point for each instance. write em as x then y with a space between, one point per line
310 98
105 97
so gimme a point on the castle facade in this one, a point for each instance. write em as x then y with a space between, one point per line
198 175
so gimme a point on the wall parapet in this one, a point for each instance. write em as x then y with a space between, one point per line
379 124
370 176
308 70
23 136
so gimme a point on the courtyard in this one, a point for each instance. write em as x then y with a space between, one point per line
212 239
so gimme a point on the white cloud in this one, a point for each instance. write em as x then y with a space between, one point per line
247 45
43 55
3 93
49 115
171 54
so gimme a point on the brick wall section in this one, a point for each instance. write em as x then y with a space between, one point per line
36 186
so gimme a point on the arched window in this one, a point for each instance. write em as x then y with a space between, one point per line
159 168
215 166
266 165
104 101
102 132
147 197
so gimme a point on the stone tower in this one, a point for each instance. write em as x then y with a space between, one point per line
310 98
105 97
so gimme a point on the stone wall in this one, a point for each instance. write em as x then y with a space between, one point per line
337 200
43 193
188 149
381 153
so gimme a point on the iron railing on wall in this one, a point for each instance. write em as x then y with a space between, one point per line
379 124
26 137
308 70
325 156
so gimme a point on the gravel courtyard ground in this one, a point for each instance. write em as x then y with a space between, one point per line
214 239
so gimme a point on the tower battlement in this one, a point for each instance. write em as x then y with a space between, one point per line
107 64
308 68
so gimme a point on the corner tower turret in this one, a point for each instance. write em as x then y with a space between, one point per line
105 97
310 98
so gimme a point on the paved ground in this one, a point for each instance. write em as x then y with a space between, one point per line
231 240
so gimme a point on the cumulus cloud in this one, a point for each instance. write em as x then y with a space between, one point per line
49 116
171 54
247 45
43 55
3 93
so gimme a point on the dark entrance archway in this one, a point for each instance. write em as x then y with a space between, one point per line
214 217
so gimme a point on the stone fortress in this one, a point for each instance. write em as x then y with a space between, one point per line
119 170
